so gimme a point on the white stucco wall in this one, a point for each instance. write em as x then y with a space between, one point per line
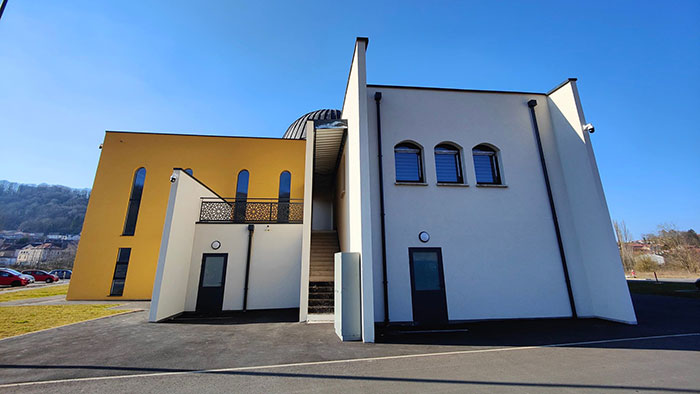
306 226
168 299
357 237
499 247
322 218
341 205
275 265
597 274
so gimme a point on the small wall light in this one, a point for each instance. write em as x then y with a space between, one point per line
424 236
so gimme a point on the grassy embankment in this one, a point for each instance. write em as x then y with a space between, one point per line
675 289
47 291
22 319
18 320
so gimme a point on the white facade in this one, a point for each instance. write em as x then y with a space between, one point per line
275 264
494 265
499 247
274 267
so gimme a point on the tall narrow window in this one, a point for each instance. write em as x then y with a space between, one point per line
132 211
486 165
119 277
283 197
409 165
241 203
189 171
448 165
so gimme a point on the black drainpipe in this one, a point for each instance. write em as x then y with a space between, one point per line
377 99
532 104
251 229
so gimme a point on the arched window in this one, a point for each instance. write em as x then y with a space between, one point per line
283 197
409 165
132 212
448 165
486 165
189 171
241 196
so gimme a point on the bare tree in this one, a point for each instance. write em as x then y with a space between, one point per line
623 239
677 247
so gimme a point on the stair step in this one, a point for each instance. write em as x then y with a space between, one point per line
325 274
320 309
321 289
327 303
321 296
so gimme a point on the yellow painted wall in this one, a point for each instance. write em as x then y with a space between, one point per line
215 161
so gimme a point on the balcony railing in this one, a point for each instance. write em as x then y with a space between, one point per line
259 210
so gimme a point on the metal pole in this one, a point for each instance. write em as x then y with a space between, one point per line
532 104
385 281
251 228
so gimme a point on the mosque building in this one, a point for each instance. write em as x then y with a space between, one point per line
407 206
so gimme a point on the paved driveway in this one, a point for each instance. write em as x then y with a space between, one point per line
125 353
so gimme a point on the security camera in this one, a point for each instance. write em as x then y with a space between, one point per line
173 178
589 128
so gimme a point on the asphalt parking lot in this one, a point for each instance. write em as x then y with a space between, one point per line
127 354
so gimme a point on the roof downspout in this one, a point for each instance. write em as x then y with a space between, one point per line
251 229
532 104
377 100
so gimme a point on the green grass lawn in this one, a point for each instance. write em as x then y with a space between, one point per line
16 320
35 293
664 288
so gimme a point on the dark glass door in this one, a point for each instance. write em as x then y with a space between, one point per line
210 297
427 286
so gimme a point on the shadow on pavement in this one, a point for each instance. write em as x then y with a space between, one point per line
290 315
656 315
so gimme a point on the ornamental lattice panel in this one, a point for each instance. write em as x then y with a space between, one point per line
251 212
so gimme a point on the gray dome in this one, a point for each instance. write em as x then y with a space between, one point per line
297 130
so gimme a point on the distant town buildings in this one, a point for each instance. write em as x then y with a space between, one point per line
22 249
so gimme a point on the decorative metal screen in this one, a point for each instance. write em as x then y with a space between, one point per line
256 211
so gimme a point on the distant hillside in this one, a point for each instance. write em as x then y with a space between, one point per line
42 208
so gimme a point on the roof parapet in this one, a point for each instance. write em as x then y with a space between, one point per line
561 85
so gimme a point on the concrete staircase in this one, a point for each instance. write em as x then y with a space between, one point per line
324 245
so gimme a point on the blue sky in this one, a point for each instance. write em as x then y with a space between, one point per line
71 69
